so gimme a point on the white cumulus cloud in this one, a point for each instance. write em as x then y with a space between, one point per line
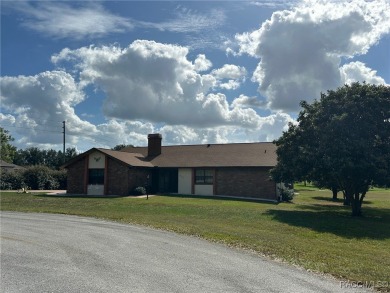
300 49
202 63
247 102
358 71
229 76
41 102
156 82
148 87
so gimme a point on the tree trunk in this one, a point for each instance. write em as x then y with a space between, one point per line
347 199
356 205
334 192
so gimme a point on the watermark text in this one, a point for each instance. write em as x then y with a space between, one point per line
364 284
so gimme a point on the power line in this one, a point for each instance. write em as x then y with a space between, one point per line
63 126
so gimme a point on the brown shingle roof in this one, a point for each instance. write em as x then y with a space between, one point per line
261 154
4 164
213 155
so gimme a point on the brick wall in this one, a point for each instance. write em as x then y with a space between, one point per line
122 179
117 174
246 182
76 180
138 177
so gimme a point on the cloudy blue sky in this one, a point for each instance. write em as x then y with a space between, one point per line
194 71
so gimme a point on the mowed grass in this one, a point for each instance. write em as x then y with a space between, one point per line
313 232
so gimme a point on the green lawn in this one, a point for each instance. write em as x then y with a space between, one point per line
313 232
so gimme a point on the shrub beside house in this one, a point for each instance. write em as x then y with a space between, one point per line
33 177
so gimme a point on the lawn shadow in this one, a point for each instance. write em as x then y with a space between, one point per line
375 223
327 198
338 200
225 198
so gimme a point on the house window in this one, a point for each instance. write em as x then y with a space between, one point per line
96 176
204 176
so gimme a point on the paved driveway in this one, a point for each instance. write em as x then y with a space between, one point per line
58 253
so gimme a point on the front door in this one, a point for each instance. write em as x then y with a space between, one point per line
168 180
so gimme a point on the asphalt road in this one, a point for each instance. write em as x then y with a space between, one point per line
58 253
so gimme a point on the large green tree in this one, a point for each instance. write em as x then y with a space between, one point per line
31 156
7 151
343 139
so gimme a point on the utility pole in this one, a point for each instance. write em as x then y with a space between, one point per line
63 127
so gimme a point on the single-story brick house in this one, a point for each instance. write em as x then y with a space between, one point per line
237 169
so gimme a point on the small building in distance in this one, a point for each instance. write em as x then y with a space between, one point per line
7 167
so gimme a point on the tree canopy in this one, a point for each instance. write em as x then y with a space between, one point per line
341 140
7 151
34 156
119 147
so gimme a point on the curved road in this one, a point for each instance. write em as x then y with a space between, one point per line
58 253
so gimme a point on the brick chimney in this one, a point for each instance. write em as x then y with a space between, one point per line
154 144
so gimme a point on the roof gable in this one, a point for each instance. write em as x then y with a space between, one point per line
131 159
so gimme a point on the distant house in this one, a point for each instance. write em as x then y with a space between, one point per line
238 169
7 167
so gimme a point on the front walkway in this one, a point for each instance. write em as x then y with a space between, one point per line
63 193
38 191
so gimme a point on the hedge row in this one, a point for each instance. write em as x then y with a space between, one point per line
35 177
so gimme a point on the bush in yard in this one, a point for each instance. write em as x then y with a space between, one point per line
140 190
11 180
286 194
61 177
40 178
35 177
